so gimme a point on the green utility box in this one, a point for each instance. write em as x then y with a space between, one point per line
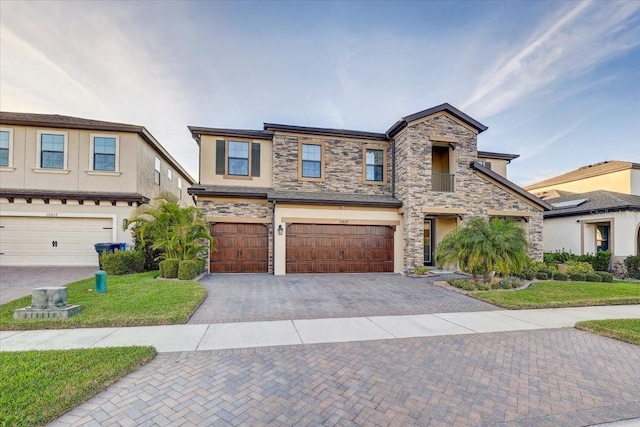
101 281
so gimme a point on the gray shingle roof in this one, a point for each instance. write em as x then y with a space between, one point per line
597 202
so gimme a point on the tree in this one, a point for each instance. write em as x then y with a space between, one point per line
176 232
484 246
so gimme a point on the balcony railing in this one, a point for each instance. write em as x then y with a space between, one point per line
442 182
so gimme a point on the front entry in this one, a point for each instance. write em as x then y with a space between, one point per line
429 238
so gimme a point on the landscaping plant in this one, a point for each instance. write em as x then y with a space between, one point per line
632 265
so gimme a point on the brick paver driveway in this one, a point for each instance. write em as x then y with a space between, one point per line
250 297
558 377
16 282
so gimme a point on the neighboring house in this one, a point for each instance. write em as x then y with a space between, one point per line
293 199
594 207
610 175
584 223
67 183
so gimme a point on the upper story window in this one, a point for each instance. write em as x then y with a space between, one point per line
485 163
238 159
105 153
180 188
169 174
311 159
52 150
156 173
6 146
441 167
374 165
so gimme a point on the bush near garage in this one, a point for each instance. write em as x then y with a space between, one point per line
189 269
169 268
118 263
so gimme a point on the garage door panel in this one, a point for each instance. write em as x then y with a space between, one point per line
242 248
339 248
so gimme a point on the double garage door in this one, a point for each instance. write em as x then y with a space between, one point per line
28 240
310 248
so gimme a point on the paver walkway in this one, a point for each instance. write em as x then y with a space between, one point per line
256 297
552 377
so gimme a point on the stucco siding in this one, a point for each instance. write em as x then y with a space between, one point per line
620 181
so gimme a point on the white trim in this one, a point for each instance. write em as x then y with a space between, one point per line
113 218
92 136
46 170
10 165
103 173
65 136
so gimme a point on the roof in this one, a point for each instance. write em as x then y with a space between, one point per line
312 198
597 202
503 181
602 168
326 131
502 156
402 123
196 131
69 122
22 193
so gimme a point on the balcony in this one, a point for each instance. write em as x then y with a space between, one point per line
443 182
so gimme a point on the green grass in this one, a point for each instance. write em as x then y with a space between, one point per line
564 294
37 387
130 300
627 330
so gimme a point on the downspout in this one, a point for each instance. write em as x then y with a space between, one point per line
393 167
273 234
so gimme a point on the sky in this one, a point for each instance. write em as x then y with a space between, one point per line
557 82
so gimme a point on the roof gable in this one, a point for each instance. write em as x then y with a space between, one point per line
583 172
447 108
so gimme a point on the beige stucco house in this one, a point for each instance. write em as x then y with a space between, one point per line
293 199
594 207
67 183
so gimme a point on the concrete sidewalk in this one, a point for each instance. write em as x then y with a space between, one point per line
217 336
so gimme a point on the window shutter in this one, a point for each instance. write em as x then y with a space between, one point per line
255 159
220 157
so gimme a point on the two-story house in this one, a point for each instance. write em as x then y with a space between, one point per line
67 183
293 199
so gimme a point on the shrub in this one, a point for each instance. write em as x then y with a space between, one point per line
578 267
537 266
541 275
577 277
528 274
560 276
593 277
601 261
202 264
632 263
462 284
606 276
421 269
122 262
558 257
189 269
509 282
169 268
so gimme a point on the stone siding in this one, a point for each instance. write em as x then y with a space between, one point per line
471 192
343 168
241 209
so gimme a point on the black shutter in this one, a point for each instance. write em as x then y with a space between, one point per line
255 159
219 157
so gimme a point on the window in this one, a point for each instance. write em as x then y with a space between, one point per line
374 165
156 176
485 163
169 174
52 151
180 188
104 153
602 237
6 142
238 160
311 161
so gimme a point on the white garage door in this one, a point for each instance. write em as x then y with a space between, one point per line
52 240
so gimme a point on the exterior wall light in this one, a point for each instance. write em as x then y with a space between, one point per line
280 230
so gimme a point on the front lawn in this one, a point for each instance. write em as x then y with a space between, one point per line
130 300
627 330
564 294
39 386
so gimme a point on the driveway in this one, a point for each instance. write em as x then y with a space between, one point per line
255 297
16 282
555 377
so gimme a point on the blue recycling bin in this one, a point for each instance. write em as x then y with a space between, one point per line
108 247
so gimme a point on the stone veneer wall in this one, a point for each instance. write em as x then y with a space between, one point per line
241 209
473 193
343 166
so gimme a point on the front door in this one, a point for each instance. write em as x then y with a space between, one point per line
428 241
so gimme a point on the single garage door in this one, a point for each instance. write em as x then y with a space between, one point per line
319 248
242 248
30 240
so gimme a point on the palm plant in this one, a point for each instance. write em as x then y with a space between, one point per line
177 232
484 246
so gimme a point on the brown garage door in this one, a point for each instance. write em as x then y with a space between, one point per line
242 248
320 248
